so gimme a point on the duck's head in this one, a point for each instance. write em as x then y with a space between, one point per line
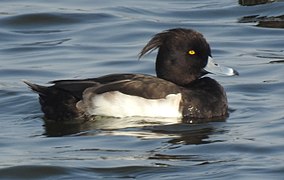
183 56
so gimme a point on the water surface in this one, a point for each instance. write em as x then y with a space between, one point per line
45 40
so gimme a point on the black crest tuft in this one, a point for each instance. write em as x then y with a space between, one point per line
160 39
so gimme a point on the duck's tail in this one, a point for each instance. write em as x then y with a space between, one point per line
57 104
41 90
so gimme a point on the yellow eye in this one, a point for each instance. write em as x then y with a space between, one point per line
191 52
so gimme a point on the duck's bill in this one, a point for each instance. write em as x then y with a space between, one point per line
215 68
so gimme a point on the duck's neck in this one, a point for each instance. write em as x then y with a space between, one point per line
170 70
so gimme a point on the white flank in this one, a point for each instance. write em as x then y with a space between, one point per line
118 104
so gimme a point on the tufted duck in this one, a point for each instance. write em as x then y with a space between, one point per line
179 90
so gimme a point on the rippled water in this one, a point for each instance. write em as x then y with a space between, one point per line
46 40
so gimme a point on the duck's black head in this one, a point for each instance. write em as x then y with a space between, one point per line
182 56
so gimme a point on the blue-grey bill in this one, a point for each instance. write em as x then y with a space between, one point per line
215 68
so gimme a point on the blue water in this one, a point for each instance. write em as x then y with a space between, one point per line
45 40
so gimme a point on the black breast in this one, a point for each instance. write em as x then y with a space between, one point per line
204 98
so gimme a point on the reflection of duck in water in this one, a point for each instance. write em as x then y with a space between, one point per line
179 90
142 128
